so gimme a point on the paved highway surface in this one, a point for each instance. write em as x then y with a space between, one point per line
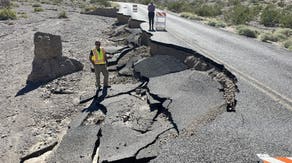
267 67
263 120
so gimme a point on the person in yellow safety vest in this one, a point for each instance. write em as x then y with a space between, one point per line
99 60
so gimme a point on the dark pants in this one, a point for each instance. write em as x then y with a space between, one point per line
151 20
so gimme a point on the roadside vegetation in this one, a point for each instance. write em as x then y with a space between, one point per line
7 14
38 9
265 20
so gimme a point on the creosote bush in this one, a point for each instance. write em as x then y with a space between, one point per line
190 15
208 10
216 23
239 14
246 31
177 6
268 36
103 3
89 8
38 9
286 19
288 44
6 14
270 16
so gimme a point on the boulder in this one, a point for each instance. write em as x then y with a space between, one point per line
48 62
128 69
197 63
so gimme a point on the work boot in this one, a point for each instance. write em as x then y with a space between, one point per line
97 86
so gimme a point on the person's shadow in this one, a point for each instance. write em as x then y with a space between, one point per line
96 103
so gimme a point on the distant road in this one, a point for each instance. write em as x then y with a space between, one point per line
266 67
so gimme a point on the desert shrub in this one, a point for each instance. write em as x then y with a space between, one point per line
115 5
190 15
146 2
268 36
255 10
255 1
89 8
246 31
22 15
239 14
104 3
178 6
288 7
270 16
36 5
286 19
216 23
233 2
38 9
82 5
14 5
280 36
208 10
283 33
281 4
62 14
56 2
6 14
288 44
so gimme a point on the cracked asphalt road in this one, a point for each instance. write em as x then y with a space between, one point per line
184 121
264 65
262 121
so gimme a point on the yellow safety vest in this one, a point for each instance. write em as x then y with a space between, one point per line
98 56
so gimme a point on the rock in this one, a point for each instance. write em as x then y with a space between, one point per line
134 38
47 46
117 56
128 69
48 62
118 31
190 61
196 63
124 58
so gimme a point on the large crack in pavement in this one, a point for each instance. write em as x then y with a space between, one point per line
130 123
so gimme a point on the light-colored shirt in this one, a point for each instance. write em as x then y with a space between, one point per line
151 8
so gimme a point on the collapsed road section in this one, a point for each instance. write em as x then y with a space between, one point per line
130 123
172 91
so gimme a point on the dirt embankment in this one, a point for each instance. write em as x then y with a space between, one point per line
39 116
